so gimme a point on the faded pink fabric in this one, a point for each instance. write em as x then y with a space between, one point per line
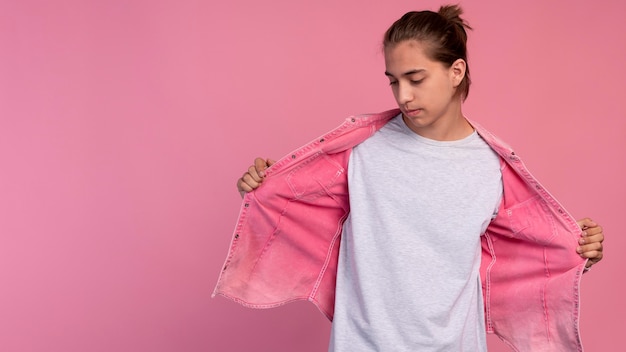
285 245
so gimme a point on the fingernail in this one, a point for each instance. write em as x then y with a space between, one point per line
579 250
581 241
262 173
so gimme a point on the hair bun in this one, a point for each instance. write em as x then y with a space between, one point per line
453 14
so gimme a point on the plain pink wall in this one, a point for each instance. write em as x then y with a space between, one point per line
125 123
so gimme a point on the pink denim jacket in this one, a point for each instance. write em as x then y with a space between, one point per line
285 245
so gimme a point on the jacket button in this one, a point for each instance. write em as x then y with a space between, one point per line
322 140
293 156
353 119
246 205
236 236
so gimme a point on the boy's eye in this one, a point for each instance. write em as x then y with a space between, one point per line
416 81
393 83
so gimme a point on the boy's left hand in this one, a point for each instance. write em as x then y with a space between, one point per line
591 241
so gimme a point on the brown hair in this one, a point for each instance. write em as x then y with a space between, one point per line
442 31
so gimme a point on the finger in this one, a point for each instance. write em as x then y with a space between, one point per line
270 162
246 184
592 231
251 181
591 239
596 257
593 256
586 223
260 165
253 172
242 186
589 248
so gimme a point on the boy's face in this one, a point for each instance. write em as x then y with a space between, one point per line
424 89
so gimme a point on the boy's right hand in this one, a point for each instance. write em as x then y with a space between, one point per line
253 178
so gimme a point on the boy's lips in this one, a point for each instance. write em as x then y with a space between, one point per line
412 112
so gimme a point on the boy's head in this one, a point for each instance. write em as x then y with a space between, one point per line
441 34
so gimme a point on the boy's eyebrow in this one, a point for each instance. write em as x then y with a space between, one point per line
408 73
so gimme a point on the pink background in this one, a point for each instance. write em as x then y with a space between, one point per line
124 125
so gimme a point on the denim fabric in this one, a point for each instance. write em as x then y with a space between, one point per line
285 244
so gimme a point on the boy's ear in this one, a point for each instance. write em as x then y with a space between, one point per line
457 71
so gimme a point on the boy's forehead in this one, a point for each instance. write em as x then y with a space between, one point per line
404 57
410 50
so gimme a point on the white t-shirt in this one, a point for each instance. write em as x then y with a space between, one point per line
408 274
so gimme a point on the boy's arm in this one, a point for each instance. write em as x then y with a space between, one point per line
590 243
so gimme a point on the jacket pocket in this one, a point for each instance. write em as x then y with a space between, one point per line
531 220
315 178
